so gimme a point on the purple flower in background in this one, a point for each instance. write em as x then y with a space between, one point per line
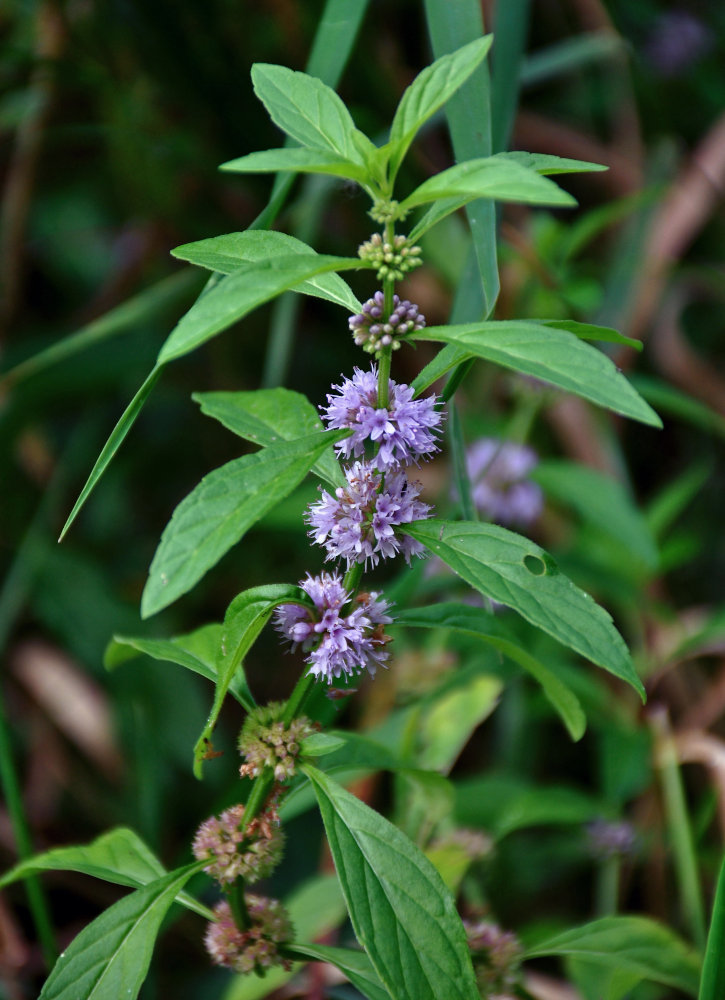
338 644
611 839
405 430
358 523
500 488
679 39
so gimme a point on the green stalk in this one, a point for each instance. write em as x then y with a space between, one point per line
678 822
238 905
712 984
607 886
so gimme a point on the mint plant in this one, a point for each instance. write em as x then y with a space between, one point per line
364 445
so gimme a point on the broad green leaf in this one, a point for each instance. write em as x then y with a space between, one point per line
266 415
111 446
198 651
479 623
221 509
320 744
712 985
429 91
502 804
600 500
401 911
589 331
449 723
229 252
550 354
632 944
245 618
110 957
307 110
354 964
449 357
242 291
518 573
119 856
315 909
298 160
545 163
488 177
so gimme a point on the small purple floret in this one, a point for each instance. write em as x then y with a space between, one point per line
405 430
358 523
338 644
501 491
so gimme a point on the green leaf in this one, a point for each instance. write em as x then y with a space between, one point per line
632 944
400 909
550 354
231 251
197 651
479 623
297 160
119 856
712 985
245 618
307 110
448 724
266 415
518 573
545 163
601 501
242 291
320 744
218 512
589 331
354 964
429 91
502 804
111 446
110 957
488 177
449 357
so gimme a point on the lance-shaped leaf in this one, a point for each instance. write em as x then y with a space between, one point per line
110 957
487 177
546 163
429 91
308 110
245 618
119 856
553 355
632 944
712 985
241 292
231 251
400 909
354 964
218 512
297 160
518 573
478 622
198 651
266 415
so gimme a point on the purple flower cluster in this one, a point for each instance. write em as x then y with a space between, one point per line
358 523
404 431
339 644
501 491
255 949
373 333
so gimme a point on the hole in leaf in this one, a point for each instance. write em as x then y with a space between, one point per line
535 565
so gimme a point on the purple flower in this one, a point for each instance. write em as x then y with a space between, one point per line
500 489
358 523
404 431
338 643
372 333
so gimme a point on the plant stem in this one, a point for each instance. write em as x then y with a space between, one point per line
238 905
607 887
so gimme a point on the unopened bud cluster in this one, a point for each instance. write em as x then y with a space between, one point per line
255 949
373 332
496 955
252 853
386 211
393 260
265 741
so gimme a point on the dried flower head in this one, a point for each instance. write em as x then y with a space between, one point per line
374 333
339 644
358 523
251 854
392 260
404 431
255 949
265 741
